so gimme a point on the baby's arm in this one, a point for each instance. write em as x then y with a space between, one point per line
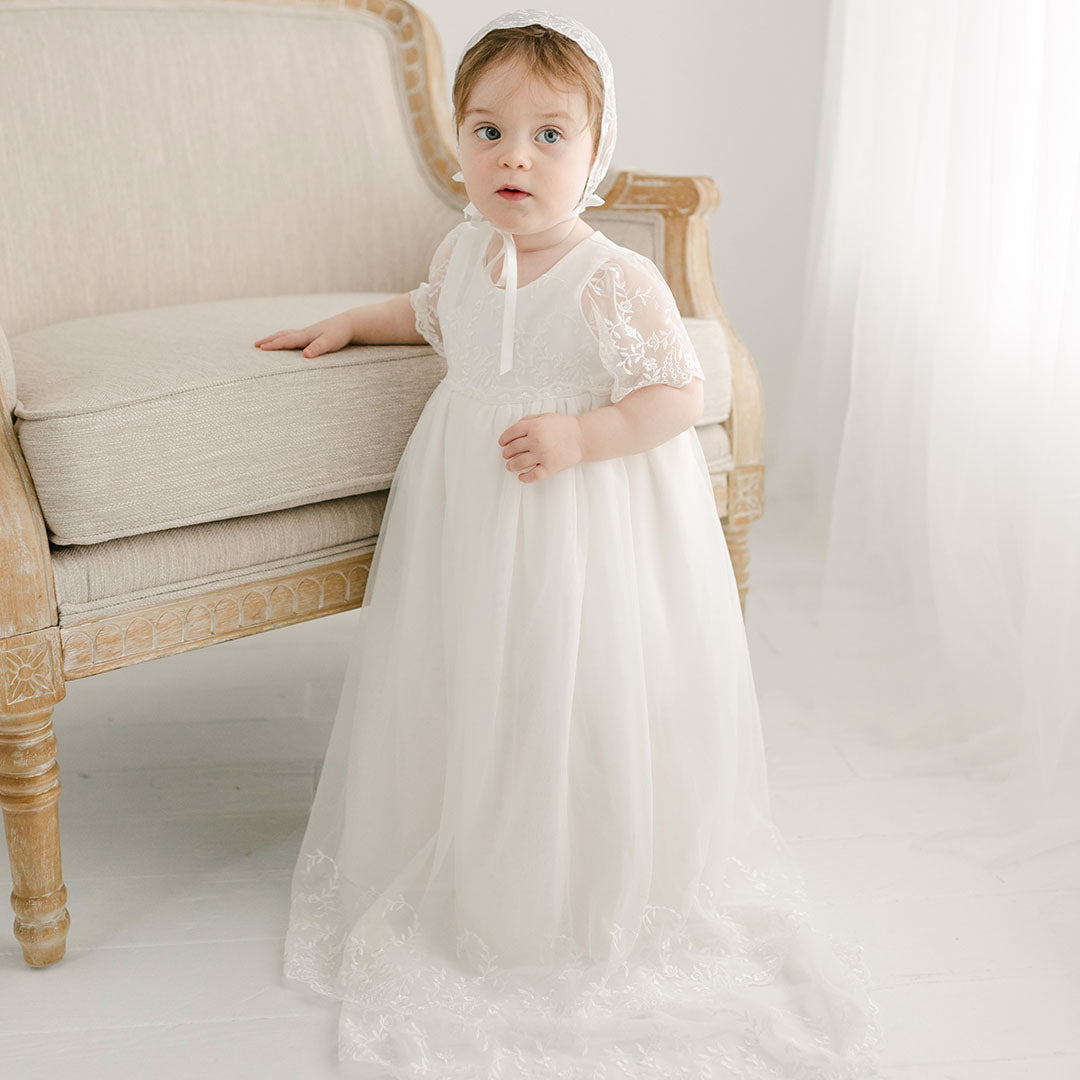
645 418
658 385
658 389
391 322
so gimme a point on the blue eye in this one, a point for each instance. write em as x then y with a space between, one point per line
492 127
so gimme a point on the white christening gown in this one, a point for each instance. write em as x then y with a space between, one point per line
541 846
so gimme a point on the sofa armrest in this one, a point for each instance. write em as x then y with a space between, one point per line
27 596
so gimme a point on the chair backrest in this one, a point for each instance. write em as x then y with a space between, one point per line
159 152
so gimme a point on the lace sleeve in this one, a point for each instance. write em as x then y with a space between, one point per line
643 340
425 297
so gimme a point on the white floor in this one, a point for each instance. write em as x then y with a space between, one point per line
186 785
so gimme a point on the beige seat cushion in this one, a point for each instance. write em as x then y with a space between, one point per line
140 421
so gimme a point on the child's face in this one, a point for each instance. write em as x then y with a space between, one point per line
508 136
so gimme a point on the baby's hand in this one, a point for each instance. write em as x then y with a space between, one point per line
321 337
541 444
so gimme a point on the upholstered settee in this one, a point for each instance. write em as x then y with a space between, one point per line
177 180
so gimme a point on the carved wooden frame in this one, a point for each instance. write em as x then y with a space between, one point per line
37 655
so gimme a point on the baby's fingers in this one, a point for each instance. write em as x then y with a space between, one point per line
279 340
318 345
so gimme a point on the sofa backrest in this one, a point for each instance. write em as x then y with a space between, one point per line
159 152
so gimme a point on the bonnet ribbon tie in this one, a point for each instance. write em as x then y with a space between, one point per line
508 278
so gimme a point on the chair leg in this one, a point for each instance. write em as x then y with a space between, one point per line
740 501
739 550
30 685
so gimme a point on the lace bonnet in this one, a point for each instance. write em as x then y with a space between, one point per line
592 48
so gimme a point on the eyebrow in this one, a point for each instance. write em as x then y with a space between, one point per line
546 116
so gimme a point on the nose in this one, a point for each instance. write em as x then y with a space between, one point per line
514 152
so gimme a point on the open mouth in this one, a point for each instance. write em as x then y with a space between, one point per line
512 192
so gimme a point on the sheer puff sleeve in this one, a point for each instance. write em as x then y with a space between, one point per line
425 297
642 338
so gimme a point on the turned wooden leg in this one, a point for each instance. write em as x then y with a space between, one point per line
743 499
31 682
739 550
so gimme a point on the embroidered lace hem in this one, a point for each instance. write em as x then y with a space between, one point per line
748 991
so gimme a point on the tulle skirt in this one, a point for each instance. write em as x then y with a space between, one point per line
541 843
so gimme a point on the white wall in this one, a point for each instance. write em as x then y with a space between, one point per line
727 89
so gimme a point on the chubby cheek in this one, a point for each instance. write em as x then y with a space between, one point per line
484 164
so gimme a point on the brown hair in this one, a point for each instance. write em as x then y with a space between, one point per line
555 57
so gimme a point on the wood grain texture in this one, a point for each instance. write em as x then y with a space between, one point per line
135 636
31 682
27 596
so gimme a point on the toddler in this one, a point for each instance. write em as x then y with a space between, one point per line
541 843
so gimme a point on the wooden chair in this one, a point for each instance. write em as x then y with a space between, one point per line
178 181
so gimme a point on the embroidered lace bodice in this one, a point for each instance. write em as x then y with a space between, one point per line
602 319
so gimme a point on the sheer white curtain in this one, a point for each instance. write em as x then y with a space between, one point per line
932 429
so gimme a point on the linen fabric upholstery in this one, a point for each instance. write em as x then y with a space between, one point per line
146 420
164 153
137 571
